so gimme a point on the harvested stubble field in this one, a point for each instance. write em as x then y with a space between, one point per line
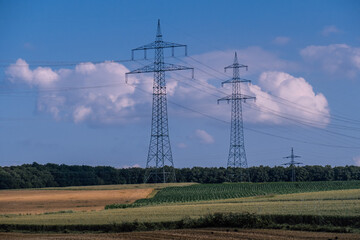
190 234
39 201
35 201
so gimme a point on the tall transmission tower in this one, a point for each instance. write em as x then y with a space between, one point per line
292 164
237 155
159 155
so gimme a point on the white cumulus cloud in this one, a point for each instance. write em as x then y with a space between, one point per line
81 112
296 98
281 40
334 59
301 103
95 93
41 76
330 30
204 137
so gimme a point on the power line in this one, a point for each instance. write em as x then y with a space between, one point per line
333 116
249 128
61 63
189 84
304 122
307 124
63 89
310 123
301 120
280 99
283 100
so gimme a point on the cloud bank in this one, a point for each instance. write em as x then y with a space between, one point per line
280 96
295 99
91 92
97 94
339 59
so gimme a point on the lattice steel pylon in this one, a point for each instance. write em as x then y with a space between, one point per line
237 155
292 164
159 154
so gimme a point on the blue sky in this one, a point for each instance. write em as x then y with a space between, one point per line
62 100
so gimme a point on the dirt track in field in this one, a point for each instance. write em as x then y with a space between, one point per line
40 201
186 234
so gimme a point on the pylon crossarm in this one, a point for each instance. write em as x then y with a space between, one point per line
234 80
227 98
174 67
164 67
232 97
236 65
294 156
156 44
245 97
242 97
145 69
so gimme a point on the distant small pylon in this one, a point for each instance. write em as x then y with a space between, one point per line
292 164
237 155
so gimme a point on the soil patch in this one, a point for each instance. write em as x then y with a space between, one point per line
190 234
41 201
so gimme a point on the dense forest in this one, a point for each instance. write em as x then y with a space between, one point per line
54 175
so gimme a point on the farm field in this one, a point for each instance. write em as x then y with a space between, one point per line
190 234
87 198
40 201
201 192
327 203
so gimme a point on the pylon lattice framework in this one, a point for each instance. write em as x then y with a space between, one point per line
292 164
237 154
159 154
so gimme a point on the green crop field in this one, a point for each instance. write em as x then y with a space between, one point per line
203 192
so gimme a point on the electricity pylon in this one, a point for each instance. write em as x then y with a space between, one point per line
292 164
237 155
159 154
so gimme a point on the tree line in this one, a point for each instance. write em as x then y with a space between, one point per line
54 175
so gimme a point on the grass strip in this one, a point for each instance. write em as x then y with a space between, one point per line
340 224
